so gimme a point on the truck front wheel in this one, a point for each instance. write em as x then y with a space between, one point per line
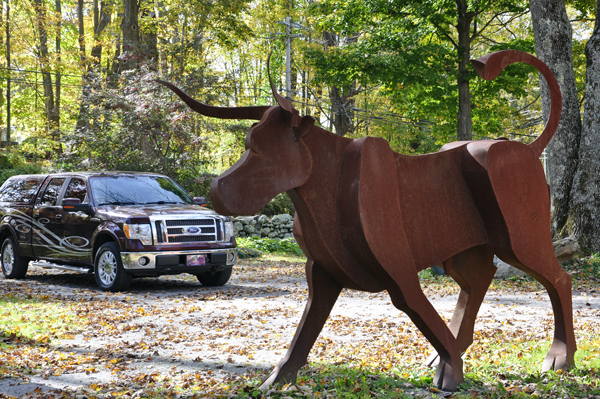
215 279
108 269
13 264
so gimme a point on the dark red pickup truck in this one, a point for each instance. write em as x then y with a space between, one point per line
117 225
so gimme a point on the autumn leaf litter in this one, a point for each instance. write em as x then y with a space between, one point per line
174 333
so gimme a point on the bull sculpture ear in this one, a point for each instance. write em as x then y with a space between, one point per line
304 127
283 102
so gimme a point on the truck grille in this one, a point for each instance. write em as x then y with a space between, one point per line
175 231
190 222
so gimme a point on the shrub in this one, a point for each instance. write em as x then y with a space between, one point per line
245 253
270 245
12 164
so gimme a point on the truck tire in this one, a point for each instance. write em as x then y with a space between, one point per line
215 279
13 264
108 269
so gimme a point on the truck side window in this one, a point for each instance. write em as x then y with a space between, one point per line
77 189
18 190
52 191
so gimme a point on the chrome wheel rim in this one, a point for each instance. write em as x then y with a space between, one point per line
8 258
107 268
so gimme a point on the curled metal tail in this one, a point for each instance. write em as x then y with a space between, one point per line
491 65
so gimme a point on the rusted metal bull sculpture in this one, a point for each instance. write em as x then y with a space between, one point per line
370 219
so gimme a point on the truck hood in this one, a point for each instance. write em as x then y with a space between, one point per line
116 212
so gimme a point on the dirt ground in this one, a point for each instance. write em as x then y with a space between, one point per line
173 326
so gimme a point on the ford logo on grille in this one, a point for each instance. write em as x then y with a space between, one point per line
192 230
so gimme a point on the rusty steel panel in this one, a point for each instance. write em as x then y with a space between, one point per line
370 219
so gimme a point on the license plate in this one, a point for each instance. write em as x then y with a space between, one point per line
196 260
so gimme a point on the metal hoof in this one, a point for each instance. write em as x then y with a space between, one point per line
445 378
556 358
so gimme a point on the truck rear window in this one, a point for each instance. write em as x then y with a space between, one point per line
137 190
19 189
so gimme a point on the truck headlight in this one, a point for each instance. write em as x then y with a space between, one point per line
228 230
141 232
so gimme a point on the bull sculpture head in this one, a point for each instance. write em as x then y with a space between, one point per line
275 155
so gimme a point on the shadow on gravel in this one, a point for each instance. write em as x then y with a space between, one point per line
75 283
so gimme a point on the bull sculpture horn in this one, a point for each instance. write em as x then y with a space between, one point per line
255 112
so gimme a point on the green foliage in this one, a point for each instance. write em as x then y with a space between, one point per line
13 163
411 49
11 160
270 245
585 8
196 186
139 125
279 205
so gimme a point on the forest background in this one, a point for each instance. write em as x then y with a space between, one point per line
78 91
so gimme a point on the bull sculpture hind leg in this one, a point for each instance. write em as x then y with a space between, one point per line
473 270
367 224
523 200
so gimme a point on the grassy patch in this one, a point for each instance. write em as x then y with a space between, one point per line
28 325
34 320
327 381
585 270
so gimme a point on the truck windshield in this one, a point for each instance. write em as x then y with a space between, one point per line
137 190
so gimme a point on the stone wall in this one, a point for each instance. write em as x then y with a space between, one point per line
279 226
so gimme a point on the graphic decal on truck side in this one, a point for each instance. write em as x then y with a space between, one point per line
70 246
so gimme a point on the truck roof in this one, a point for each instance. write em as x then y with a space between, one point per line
92 174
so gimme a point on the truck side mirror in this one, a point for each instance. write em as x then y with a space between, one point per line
75 205
200 201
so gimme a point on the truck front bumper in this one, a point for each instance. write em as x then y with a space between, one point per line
183 261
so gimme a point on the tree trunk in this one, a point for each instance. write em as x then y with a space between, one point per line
8 80
58 58
101 21
81 34
131 36
552 33
50 105
149 38
82 118
115 65
584 215
342 98
464 128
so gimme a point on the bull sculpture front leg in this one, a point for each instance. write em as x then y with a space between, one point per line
389 253
323 291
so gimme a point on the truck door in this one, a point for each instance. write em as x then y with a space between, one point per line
47 239
78 227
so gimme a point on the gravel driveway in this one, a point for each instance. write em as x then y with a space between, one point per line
172 326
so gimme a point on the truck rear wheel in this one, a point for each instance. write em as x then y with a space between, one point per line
215 279
13 264
108 269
